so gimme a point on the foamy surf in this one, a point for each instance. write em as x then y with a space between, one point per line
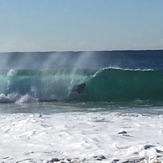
81 137
116 117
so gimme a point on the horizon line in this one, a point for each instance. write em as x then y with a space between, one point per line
62 51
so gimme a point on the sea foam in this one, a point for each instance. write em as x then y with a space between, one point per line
83 137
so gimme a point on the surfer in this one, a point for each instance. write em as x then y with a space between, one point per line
80 88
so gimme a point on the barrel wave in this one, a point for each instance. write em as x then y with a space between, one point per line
105 84
107 76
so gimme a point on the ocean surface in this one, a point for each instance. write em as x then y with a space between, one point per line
97 106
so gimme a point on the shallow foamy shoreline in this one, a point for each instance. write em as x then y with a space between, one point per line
81 137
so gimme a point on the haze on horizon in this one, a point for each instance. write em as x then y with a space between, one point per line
80 25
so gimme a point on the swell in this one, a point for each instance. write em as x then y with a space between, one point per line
108 84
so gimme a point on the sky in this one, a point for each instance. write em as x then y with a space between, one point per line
80 25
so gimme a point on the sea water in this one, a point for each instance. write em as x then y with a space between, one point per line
117 117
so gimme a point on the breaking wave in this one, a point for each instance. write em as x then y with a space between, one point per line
106 84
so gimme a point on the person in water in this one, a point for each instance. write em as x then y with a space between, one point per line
80 88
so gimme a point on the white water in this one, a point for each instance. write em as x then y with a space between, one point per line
81 136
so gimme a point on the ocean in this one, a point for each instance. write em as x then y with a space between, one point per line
74 107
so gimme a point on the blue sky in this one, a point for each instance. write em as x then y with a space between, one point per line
60 25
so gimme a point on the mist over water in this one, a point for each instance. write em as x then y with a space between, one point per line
51 60
45 60
94 60
108 75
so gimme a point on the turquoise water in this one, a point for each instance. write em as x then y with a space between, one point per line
105 85
112 79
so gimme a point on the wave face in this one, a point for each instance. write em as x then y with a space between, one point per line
125 85
109 76
107 84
